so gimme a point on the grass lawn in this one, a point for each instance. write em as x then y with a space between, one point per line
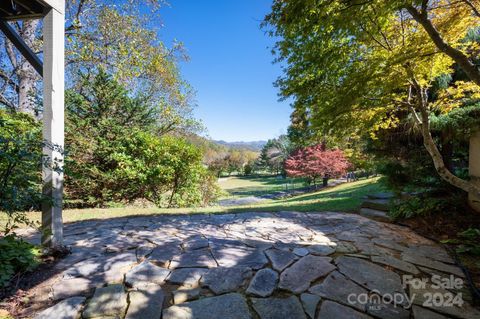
344 197
243 186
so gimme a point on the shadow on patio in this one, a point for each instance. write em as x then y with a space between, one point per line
201 266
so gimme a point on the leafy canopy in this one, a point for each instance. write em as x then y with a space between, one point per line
349 64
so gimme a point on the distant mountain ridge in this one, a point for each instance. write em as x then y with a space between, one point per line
253 146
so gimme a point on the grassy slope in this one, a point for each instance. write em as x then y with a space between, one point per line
345 197
242 186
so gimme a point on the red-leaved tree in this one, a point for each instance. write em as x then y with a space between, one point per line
315 162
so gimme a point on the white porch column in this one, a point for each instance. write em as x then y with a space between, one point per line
53 124
474 169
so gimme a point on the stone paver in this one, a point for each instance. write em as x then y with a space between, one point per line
67 309
71 287
388 311
221 280
379 215
263 283
396 263
146 302
345 247
432 252
185 294
310 302
297 278
110 301
323 250
301 251
143 252
163 254
421 296
278 308
186 276
202 266
429 262
107 266
195 242
146 273
229 306
370 275
389 244
337 288
280 259
239 256
193 259
422 313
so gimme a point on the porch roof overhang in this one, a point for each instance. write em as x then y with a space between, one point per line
11 10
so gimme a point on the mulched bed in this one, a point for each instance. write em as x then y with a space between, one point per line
446 225
14 297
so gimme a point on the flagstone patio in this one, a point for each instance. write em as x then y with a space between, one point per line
249 265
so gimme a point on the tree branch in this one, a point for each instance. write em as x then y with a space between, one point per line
7 103
472 6
458 56
429 143
9 80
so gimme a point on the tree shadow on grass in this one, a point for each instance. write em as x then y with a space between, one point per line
348 199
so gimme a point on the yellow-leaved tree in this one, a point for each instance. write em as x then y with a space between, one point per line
351 64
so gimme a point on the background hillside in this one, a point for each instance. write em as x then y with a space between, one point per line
252 146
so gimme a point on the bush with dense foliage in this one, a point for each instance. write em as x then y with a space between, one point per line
117 152
20 189
20 166
16 256
167 171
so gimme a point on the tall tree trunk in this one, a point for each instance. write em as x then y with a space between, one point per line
174 191
25 73
26 92
472 188
447 150
325 181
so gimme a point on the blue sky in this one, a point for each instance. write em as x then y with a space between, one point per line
230 66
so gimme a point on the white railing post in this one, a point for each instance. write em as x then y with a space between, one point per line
53 127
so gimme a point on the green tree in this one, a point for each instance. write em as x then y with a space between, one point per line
117 151
353 64
274 154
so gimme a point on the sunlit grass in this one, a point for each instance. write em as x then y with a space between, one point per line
345 197
242 186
